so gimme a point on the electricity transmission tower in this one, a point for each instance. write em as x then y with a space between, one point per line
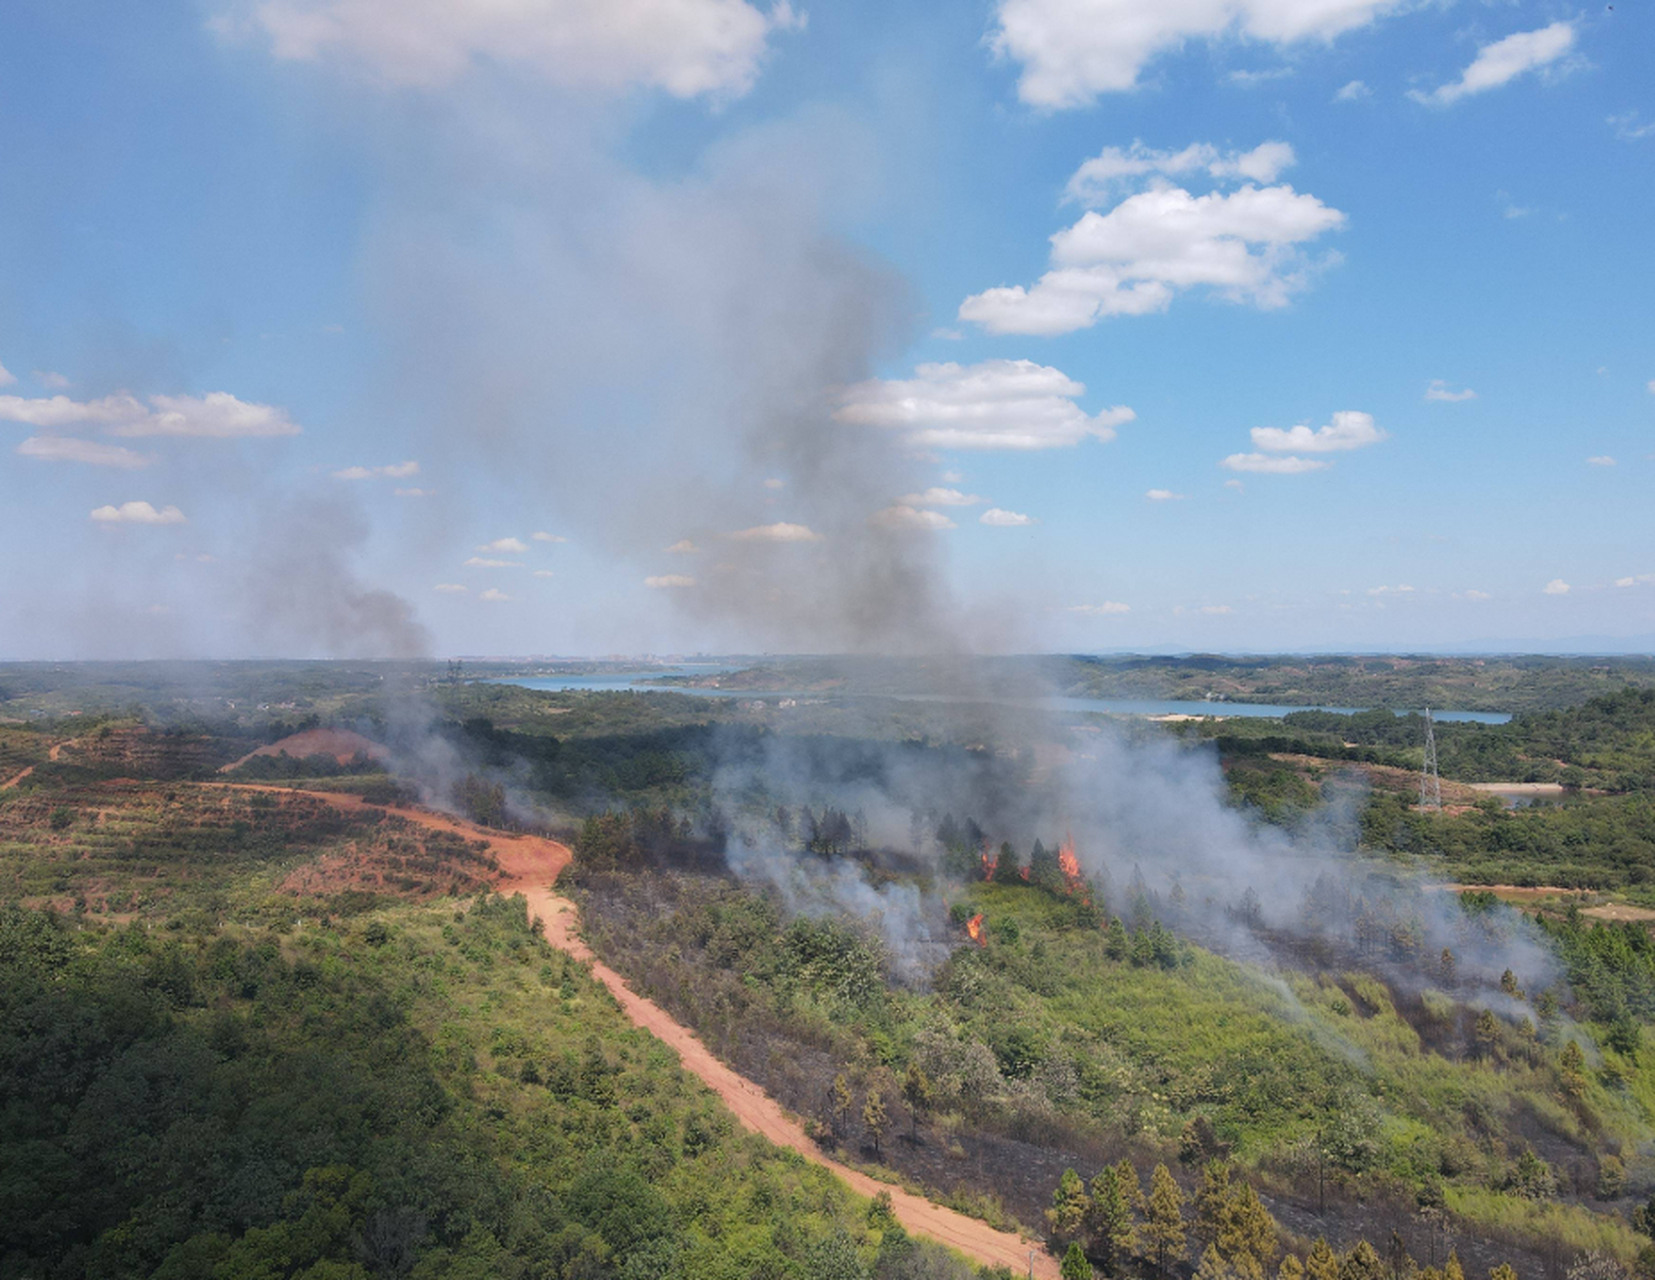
1430 785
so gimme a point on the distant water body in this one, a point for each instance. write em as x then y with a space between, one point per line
631 681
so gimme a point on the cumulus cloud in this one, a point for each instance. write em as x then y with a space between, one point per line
483 562
1504 60
683 547
137 513
7 377
1264 464
494 595
68 449
1600 460
1237 485
1473 594
1628 128
512 546
1103 610
667 581
781 531
1635 580
540 535
938 497
904 517
1556 587
1102 175
1354 91
688 48
1400 590
391 471
218 414
1247 246
1165 495
998 404
451 588
1073 50
1440 390
1002 519
1349 429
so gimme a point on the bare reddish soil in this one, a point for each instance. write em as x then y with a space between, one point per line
530 865
341 744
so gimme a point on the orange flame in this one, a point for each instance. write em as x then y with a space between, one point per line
1069 865
990 860
974 927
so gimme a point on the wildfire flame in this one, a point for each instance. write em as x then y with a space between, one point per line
1069 865
974 927
991 860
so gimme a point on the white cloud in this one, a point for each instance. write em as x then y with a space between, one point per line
68 449
1245 245
391 471
511 546
1600 460
1098 178
998 404
683 547
543 573
217 414
450 588
1216 608
7 377
901 517
935 497
1636 580
781 531
1349 429
1440 390
137 513
686 47
1253 79
1264 464
1165 495
413 493
481 562
1400 590
1473 594
1556 587
541 535
1103 610
1504 60
1073 50
1628 128
669 580
1002 519
958 477
494 595
46 378
1354 91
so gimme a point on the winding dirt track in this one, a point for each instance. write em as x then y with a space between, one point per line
530 865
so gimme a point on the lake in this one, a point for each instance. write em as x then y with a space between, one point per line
630 681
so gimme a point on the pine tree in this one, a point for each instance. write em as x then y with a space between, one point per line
1132 1191
874 1117
1291 1268
1075 1266
1362 1263
1451 1270
1248 1238
1066 1219
1504 1271
843 1101
1322 1263
1211 1199
1571 1069
917 1093
1487 1033
1163 1232
1508 984
1109 1220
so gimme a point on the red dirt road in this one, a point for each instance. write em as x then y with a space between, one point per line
530 865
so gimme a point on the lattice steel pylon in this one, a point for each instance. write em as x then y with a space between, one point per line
1430 785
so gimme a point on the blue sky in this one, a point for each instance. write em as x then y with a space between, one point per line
1031 324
